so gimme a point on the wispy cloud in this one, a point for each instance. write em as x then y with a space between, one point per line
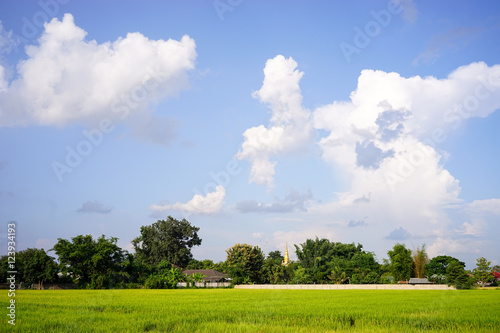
293 201
353 224
94 207
398 234
449 42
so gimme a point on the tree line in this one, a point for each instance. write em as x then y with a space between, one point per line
163 249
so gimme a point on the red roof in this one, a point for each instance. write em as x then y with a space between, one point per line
496 274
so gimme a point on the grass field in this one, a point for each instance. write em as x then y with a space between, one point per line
229 310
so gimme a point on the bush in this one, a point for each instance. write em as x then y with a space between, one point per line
156 282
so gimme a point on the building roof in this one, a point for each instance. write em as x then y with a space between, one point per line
418 281
210 275
496 275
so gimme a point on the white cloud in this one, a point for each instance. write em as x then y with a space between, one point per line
383 143
67 79
210 204
484 206
290 129
474 228
3 82
450 246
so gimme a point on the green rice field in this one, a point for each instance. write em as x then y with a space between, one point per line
233 310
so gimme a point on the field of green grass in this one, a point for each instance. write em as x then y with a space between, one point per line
231 310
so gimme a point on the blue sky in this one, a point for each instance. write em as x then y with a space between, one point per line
372 122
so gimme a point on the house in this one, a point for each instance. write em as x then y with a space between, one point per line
496 275
209 275
414 281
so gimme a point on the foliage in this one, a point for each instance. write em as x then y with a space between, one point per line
32 266
483 272
273 271
207 264
92 263
420 259
437 269
169 239
164 277
401 262
457 276
337 276
275 256
245 263
326 261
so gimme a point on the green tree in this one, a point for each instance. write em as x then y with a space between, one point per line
420 259
37 265
272 270
244 263
437 269
483 272
276 256
169 240
401 262
457 276
32 266
314 256
326 261
164 276
337 276
93 263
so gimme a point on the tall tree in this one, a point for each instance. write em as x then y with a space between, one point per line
244 263
326 261
314 256
483 272
456 275
37 265
169 240
420 259
273 271
401 262
437 269
32 266
94 263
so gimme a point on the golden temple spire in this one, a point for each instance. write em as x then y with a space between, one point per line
286 259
